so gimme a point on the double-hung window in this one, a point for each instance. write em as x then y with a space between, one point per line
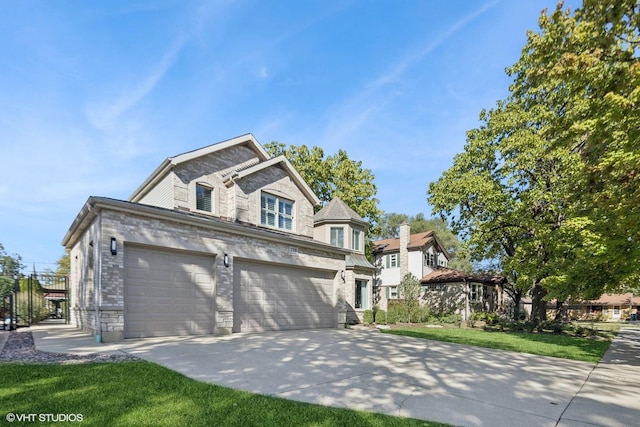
276 212
337 236
355 240
203 198
392 261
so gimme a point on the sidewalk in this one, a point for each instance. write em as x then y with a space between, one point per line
611 394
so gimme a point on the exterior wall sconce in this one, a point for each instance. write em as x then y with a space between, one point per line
114 246
342 275
225 260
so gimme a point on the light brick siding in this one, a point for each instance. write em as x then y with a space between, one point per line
168 233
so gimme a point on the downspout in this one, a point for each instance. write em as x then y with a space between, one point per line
97 279
466 299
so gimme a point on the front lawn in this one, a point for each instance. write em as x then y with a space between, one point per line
145 394
544 344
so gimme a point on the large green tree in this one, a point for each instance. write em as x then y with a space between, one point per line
334 176
10 265
536 188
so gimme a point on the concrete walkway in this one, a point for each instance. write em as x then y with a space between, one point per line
455 384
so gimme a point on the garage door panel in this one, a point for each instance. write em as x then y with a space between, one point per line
167 293
268 297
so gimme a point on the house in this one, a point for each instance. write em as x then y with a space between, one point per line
609 307
219 240
450 291
444 290
418 254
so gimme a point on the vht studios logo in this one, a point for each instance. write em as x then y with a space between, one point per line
45 418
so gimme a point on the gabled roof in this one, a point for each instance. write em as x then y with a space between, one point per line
449 275
170 162
416 241
337 211
282 161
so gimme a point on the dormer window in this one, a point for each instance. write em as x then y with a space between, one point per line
203 198
276 212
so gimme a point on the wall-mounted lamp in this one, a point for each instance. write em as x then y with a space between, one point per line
225 260
342 275
114 246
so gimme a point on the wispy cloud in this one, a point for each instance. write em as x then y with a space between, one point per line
355 112
105 113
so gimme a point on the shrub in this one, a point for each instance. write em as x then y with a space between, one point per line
392 316
492 319
452 318
381 317
420 314
367 317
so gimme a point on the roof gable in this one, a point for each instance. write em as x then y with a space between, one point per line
171 162
287 166
416 241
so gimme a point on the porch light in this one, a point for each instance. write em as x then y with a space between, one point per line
225 260
114 246
342 275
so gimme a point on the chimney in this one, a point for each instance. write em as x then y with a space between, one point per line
405 231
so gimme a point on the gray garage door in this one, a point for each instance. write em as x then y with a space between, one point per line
167 293
267 297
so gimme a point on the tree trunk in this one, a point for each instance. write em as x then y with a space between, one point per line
538 305
516 305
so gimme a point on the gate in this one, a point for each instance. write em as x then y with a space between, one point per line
36 297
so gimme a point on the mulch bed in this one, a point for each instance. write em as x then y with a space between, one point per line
20 348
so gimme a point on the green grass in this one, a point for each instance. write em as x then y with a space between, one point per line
544 344
145 394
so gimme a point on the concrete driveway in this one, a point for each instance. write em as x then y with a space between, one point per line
416 378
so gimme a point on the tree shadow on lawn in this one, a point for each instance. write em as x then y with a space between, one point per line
544 344
142 393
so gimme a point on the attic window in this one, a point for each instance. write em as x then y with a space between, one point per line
203 198
276 212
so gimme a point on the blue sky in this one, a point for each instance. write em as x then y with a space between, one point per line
94 95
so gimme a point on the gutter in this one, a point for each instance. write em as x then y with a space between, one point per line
95 204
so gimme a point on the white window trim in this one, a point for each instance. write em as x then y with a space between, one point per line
277 213
356 240
331 236
193 203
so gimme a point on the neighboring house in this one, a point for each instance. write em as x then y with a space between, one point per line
450 291
444 290
218 240
418 254
609 307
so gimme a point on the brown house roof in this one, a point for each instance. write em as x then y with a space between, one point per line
449 275
612 299
416 241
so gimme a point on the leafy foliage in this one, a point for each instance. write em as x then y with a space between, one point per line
548 185
10 265
409 290
334 176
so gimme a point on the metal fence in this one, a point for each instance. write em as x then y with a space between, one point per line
34 298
